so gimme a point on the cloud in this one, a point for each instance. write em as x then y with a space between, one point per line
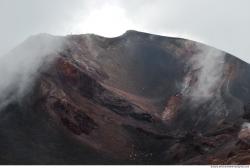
21 19
223 24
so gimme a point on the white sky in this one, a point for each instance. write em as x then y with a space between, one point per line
224 24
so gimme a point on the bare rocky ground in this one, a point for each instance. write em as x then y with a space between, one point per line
123 101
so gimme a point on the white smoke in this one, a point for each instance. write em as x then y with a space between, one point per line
206 73
245 125
19 68
244 134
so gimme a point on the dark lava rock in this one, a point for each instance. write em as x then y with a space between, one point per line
128 100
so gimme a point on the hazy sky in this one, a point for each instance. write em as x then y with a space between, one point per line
224 24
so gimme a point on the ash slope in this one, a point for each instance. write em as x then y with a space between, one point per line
134 99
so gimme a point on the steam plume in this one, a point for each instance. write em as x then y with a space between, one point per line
206 72
19 68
